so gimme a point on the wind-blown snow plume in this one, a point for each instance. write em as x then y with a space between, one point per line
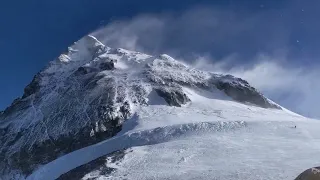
292 86
234 40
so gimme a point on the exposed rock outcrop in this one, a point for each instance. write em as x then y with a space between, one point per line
310 174
173 97
241 91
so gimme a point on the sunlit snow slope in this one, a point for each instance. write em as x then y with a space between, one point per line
103 113
208 138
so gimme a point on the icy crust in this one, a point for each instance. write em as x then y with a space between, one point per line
85 95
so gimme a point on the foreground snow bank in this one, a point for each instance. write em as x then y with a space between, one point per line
159 135
260 151
222 138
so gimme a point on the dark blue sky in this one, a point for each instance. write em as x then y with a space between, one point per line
34 32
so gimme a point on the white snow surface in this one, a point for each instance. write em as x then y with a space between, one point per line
209 138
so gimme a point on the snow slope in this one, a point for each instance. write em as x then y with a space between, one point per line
208 138
166 119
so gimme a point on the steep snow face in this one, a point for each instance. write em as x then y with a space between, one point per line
85 95
207 138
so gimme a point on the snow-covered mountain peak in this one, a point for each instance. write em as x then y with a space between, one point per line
86 94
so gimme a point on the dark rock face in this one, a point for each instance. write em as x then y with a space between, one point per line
27 160
68 122
310 174
17 105
33 87
173 97
241 91
84 71
107 65
98 165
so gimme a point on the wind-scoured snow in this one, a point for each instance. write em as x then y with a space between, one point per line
208 138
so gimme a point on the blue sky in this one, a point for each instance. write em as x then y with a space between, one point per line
272 44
